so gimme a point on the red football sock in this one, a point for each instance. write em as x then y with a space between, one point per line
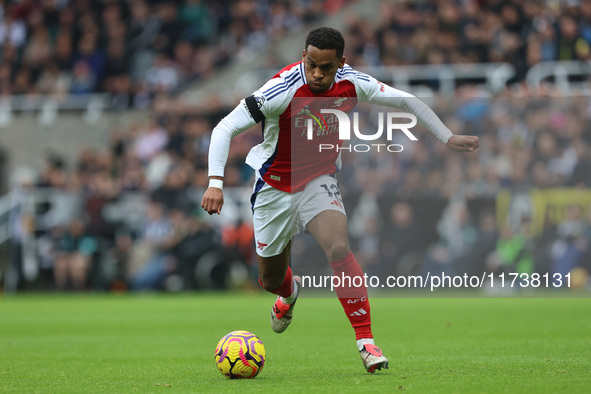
286 288
353 298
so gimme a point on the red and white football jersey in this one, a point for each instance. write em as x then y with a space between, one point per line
287 159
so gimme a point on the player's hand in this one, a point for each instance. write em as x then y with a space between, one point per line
463 143
212 201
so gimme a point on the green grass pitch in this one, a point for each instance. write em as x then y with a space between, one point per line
165 343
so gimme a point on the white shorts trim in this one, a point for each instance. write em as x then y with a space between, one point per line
278 216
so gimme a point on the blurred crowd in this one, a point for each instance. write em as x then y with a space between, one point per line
127 216
520 32
131 214
520 204
135 48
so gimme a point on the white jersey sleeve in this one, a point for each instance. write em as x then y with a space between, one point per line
236 122
266 103
371 90
271 99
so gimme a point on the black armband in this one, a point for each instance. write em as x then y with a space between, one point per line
254 104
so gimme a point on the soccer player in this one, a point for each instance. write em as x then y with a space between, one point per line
296 191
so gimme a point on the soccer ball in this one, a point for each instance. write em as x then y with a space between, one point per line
240 355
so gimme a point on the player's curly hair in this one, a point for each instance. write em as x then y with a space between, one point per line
326 38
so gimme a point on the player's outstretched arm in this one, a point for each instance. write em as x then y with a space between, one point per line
463 143
213 198
238 121
376 92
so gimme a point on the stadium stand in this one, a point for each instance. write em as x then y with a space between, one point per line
136 48
137 182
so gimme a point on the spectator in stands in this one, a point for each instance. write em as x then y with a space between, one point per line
569 45
21 248
152 258
22 81
143 30
514 250
52 81
457 237
183 55
571 244
89 52
474 262
173 194
581 174
199 239
116 62
198 21
238 239
38 49
54 174
13 31
83 78
401 236
74 257
150 141
101 190
162 75
170 30
64 51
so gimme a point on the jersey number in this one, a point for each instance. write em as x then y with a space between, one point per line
335 191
